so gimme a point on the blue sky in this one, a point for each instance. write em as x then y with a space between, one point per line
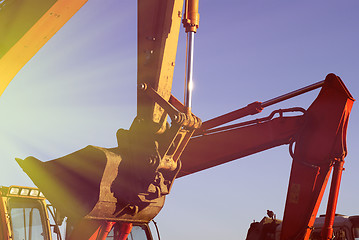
81 87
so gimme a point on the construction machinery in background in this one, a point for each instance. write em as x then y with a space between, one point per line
25 214
344 228
269 228
99 189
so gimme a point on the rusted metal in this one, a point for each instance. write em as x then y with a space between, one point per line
100 184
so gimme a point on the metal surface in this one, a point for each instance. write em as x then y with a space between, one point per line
22 199
17 17
206 151
189 74
254 108
4 225
191 17
280 112
250 109
129 183
327 231
320 137
29 43
158 29
292 94
91 230
190 23
321 140
174 140
100 184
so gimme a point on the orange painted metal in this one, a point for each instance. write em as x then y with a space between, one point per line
91 230
191 16
99 230
17 17
320 142
121 231
36 37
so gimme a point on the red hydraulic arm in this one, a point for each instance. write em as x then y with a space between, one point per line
320 145
98 230
230 143
320 142
213 145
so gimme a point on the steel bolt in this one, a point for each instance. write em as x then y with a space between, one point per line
142 86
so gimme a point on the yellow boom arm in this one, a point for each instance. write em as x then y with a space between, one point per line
19 41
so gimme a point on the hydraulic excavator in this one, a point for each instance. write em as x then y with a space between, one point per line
100 188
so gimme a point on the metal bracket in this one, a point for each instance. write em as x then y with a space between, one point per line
174 140
154 157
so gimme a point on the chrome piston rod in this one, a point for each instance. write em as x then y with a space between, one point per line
189 68
292 94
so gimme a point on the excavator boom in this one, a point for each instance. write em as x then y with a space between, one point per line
24 29
320 144
319 137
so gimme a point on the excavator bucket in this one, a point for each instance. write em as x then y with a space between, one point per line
96 184
320 143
